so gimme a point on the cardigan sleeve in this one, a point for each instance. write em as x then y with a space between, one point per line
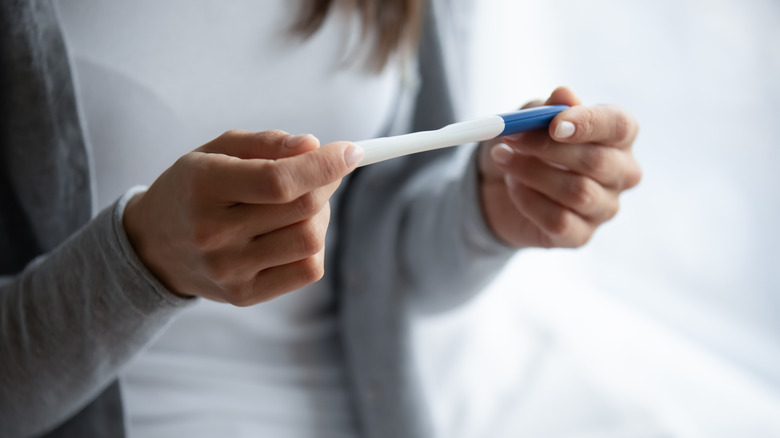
71 319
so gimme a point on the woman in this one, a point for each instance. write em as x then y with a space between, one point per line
242 219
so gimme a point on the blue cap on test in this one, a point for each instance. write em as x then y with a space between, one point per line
531 118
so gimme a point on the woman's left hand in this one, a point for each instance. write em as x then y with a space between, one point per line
553 188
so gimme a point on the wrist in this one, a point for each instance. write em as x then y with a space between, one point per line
135 226
131 223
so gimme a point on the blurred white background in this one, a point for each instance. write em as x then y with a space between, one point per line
668 323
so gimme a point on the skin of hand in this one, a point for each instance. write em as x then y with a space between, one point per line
553 188
242 219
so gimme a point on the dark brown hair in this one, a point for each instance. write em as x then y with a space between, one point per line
394 24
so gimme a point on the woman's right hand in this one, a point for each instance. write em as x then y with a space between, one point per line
241 219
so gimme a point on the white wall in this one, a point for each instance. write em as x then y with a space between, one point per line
668 322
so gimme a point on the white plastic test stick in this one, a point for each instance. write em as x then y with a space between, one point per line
485 128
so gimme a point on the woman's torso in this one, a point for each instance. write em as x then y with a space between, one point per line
156 79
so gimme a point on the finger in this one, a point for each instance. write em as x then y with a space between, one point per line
487 166
609 166
233 180
290 244
563 96
258 219
578 193
270 145
273 282
603 124
533 104
559 226
233 263
279 280
560 96
487 161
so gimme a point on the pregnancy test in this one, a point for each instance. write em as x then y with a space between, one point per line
485 128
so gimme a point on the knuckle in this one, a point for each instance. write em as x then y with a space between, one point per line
613 210
274 133
581 192
307 205
558 223
334 167
273 136
596 160
278 183
260 289
240 296
622 126
627 127
634 176
231 134
199 177
198 168
310 240
312 269
580 240
546 242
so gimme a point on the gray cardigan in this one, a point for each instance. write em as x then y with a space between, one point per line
76 303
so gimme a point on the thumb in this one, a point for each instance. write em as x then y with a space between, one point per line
269 145
489 149
560 127
284 180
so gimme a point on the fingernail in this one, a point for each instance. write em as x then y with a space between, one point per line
294 141
353 155
501 153
564 130
514 137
